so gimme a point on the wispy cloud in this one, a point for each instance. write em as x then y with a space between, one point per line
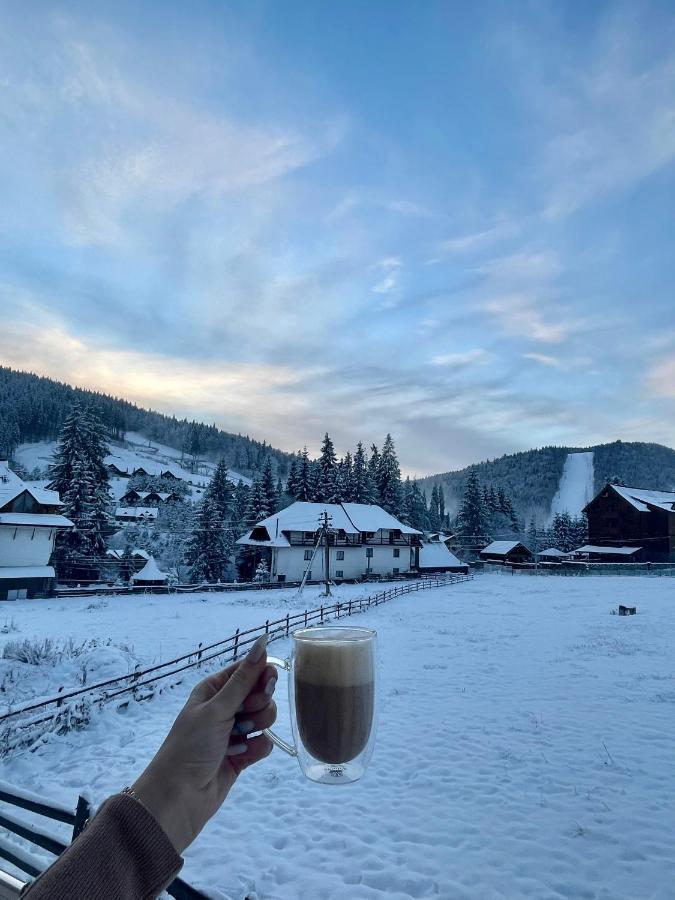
661 378
460 360
545 360
501 230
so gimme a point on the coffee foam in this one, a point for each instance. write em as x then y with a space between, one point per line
336 663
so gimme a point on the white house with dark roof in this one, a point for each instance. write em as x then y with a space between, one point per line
30 518
364 540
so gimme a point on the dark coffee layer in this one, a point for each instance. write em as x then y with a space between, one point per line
334 722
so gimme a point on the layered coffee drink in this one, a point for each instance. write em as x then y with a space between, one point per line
334 696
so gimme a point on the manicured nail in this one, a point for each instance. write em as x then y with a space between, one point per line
243 727
255 654
269 687
236 749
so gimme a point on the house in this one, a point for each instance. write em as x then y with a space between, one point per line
136 513
117 470
506 552
634 517
434 556
30 518
552 555
593 553
363 540
147 497
150 575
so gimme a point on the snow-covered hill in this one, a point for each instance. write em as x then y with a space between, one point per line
576 485
137 451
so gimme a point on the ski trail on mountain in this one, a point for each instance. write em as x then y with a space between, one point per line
576 484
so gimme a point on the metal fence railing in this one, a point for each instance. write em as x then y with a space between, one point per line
22 725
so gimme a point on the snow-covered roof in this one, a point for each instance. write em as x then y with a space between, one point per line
136 512
436 555
26 572
150 572
500 548
11 486
608 551
552 551
643 499
351 518
36 520
368 517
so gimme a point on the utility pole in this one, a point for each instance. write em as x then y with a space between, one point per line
325 519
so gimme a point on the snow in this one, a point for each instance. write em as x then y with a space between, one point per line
524 747
44 520
136 512
552 551
640 498
623 551
436 555
11 486
576 485
368 517
149 572
26 572
500 548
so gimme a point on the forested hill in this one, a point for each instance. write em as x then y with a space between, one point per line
531 478
32 408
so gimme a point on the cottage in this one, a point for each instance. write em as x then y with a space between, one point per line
136 513
150 575
434 556
506 552
622 516
30 518
363 540
552 555
593 553
134 497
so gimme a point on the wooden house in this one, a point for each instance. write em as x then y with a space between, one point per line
633 517
506 552
552 555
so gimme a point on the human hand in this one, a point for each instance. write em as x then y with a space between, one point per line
208 746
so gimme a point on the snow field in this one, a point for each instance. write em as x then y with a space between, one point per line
525 749
576 485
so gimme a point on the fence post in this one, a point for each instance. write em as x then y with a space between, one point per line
322 614
287 624
59 701
199 650
350 608
236 645
82 814
267 626
338 610
305 618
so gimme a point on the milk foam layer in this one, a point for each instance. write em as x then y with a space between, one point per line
334 662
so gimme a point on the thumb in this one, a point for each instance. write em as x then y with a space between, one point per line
240 684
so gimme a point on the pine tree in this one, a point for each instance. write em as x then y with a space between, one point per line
471 519
269 487
262 572
258 503
533 538
434 510
81 439
373 472
80 552
293 481
211 546
328 488
389 478
346 475
419 514
407 502
304 483
221 489
441 506
315 484
362 486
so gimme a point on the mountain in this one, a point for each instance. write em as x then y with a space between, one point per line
32 409
533 478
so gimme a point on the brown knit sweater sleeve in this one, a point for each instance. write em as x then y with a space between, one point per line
123 854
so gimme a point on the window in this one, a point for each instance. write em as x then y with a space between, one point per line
309 575
369 551
281 578
309 535
308 554
339 573
396 571
340 554
397 552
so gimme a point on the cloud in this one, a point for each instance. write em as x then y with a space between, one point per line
661 378
543 359
478 240
390 283
460 360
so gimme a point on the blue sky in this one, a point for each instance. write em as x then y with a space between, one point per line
449 221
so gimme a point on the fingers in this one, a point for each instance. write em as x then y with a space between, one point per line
243 679
210 686
257 748
249 722
262 692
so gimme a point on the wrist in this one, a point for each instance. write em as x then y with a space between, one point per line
162 799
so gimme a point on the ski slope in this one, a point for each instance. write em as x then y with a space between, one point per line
576 485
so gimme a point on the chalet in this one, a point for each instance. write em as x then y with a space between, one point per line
117 470
434 556
149 497
506 552
30 518
150 575
593 553
136 513
633 517
552 555
363 540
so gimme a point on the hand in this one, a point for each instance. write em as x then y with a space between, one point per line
208 746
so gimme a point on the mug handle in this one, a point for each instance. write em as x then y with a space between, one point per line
285 666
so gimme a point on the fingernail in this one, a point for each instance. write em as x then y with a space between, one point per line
243 727
269 687
236 749
255 654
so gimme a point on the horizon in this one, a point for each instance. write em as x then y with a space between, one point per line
448 224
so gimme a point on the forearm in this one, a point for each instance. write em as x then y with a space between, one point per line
123 854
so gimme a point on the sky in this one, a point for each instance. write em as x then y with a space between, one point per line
449 221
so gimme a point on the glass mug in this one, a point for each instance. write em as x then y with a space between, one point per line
332 691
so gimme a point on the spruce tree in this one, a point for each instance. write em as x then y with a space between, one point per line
362 486
346 475
471 519
80 551
304 482
441 506
258 503
389 478
292 482
533 537
373 471
327 464
269 487
434 510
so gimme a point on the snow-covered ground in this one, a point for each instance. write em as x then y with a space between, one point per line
576 485
525 747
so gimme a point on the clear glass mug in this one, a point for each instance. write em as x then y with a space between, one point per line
333 696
